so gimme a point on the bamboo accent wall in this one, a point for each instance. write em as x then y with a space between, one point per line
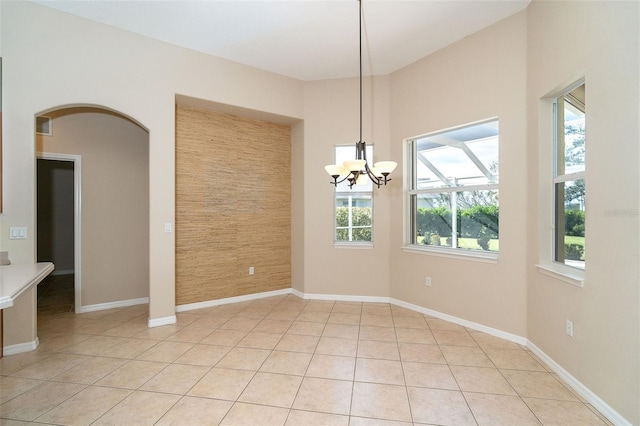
233 205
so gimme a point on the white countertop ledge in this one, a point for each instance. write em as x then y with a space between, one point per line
16 279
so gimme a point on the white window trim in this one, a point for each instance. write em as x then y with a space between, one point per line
358 245
546 200
448 252
453 253
562 272
569 177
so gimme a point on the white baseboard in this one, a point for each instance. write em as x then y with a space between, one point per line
20 348
346 298
236 299
469 324
297 293
157 322
111 305
593 399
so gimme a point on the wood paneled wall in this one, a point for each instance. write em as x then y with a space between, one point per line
233 205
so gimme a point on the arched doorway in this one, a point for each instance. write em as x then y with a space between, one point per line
111 212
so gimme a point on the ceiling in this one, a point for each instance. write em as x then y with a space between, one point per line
303 39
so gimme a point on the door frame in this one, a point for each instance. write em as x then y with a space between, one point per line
77 218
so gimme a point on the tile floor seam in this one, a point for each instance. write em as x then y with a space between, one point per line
466 401
496 367
60 403
532 411
355 367
406 388
236 401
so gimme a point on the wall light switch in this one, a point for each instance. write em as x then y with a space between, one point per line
569 326
167 227
17 232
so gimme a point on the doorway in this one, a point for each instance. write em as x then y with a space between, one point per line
58 236
111 269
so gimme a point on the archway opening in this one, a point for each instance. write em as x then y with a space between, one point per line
110 247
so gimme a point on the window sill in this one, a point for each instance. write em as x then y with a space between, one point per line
475 256
354 245
563 274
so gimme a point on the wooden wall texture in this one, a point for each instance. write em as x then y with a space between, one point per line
233 205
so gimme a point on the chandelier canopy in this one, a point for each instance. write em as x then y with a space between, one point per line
354 171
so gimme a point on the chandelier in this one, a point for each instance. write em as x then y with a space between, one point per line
356 171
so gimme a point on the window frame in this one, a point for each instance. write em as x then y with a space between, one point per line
563 177
546 197
411 191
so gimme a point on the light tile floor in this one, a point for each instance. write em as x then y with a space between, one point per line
279 361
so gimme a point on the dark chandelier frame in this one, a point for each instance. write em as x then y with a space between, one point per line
382 176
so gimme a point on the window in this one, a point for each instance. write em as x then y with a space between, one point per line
353 206
453 189
569 178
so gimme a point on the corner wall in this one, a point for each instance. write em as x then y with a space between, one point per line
600 42
332 118
481 77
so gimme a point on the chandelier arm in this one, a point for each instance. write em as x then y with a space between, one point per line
376 180
342 180
348 177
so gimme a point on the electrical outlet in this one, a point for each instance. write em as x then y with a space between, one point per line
251 270
569 328
427 281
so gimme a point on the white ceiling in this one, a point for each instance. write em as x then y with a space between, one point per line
303 39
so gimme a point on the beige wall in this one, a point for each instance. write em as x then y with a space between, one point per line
233 205
86 64
331 118
597 41
115 200
502 71
480 77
